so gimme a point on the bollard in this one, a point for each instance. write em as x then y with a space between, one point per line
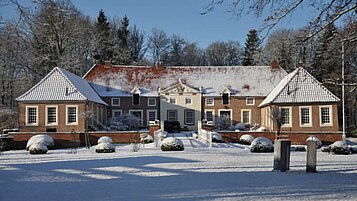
311 156
282 155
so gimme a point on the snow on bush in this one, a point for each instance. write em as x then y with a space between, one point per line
223 122
298 147
339 147
261 144
317 140
41 139
240 127
172 144
246 139
216 137
353 148
147 139
104 139
126 122
262 129
38 148
105 147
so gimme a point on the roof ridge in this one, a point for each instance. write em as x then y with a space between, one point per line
71 82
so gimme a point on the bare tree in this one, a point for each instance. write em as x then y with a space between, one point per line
159 45
223 53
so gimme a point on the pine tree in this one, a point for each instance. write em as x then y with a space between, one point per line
103 42
251 49
123 53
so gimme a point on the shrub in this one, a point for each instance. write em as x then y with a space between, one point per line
240 127
104 139
216 137
38 148
126 122
339 147
223 122
41 139
147 139
246 139
261 144
105 147
172 144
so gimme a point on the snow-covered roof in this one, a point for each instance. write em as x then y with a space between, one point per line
211 80
299 87
61 85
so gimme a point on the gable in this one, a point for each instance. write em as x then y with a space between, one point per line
299 87
180 88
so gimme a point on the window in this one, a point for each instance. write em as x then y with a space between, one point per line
116 113
245 116
51 115
139 114
151 101
325 115
225 98
136 99
152 115
115 101
285 113
209 115
72 117
189 117
188 101
250 101
172 101
31 115
172 115
210 101
305 116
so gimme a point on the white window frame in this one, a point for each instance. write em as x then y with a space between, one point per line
176 116
210 98
114 111
212 115
147 115
330 115
172 102
249 98
310 116
149 101
186 101
26 118
193 117
290 117
142 113
249 117
46 116
112 102
72 123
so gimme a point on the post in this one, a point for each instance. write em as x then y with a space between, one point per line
282 155
343 91
311 156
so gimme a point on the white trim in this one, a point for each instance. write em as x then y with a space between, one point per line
26 117
225 110
72 123
290 117
46 115
211 98
115 104
141 119
249 117
151 99
113 111
310 116
330 115
147 115
213 117
185 117
250 97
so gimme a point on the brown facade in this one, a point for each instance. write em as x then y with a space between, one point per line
61 115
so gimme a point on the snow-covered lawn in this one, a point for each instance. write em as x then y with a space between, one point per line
227 173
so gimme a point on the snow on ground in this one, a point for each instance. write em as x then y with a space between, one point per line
224 172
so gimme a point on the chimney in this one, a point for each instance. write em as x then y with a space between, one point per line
274 64
300 64
107 63
159 65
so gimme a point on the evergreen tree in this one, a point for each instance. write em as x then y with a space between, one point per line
103 40
123 53
136 41
251 49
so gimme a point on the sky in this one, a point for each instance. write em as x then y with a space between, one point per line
178 17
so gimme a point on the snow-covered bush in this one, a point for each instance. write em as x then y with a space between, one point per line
105 147
325 149
41 139
261 144
223 122
246 139
262 129
172 144
147 139
353 149
339 147
104 139
216 137
298 148
38 148
240 127
126 122
317 140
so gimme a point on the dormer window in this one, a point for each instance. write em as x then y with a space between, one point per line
136 99
225 98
